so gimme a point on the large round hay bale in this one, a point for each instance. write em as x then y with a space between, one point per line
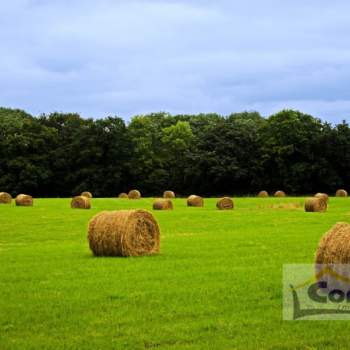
195 201
163 204
315 204
341 193
279 194
80 202
123 233
24 200
134 194
168 194
263 194
123 195
5 198
324 196
225 203
86 194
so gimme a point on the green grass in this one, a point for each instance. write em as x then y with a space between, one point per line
217 283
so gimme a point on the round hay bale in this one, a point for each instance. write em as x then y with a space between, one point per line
195 201
341 193
225 203
163 204
315 204
80 202
5 198
263 194
124 233
24 200
123 195
279 194
168 194
87 194
322 195
134 194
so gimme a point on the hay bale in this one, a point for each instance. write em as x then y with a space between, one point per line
24 200
341 193
80 202
123 195
263 194
163 204
195 201
5 198
86 194
168 194
225 203
124 233
279 194
322 195
315 204
134 194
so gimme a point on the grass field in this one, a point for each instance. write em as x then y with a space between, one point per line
217 283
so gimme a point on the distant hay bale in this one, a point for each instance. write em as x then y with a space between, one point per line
80 202
168 194
87 194
195 201
279 194
322 195
134 194
24 200
263 194
341 193
124 233
163 204
315 204
225 203
123 195
5 198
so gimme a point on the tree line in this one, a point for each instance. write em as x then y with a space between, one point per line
63 154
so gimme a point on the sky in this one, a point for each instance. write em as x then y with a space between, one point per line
123 58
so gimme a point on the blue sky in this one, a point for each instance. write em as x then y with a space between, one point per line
123 58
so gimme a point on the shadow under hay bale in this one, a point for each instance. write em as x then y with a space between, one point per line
123 195
87 194
225 203
322 195
279 194
5 198
341 193
124 233
195 201
163 204
315 204
263 194
80 202
24 200
134 194
168 194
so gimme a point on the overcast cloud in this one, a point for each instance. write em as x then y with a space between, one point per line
124 58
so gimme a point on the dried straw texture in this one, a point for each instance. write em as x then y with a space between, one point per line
168 194
124 233
315 204
5 198
163 204
341 193
280 194
263 194
80 202
123 195
225 203
195 201
24 200
134 194
87 194
322 195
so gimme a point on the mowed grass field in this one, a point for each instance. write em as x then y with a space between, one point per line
217 283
